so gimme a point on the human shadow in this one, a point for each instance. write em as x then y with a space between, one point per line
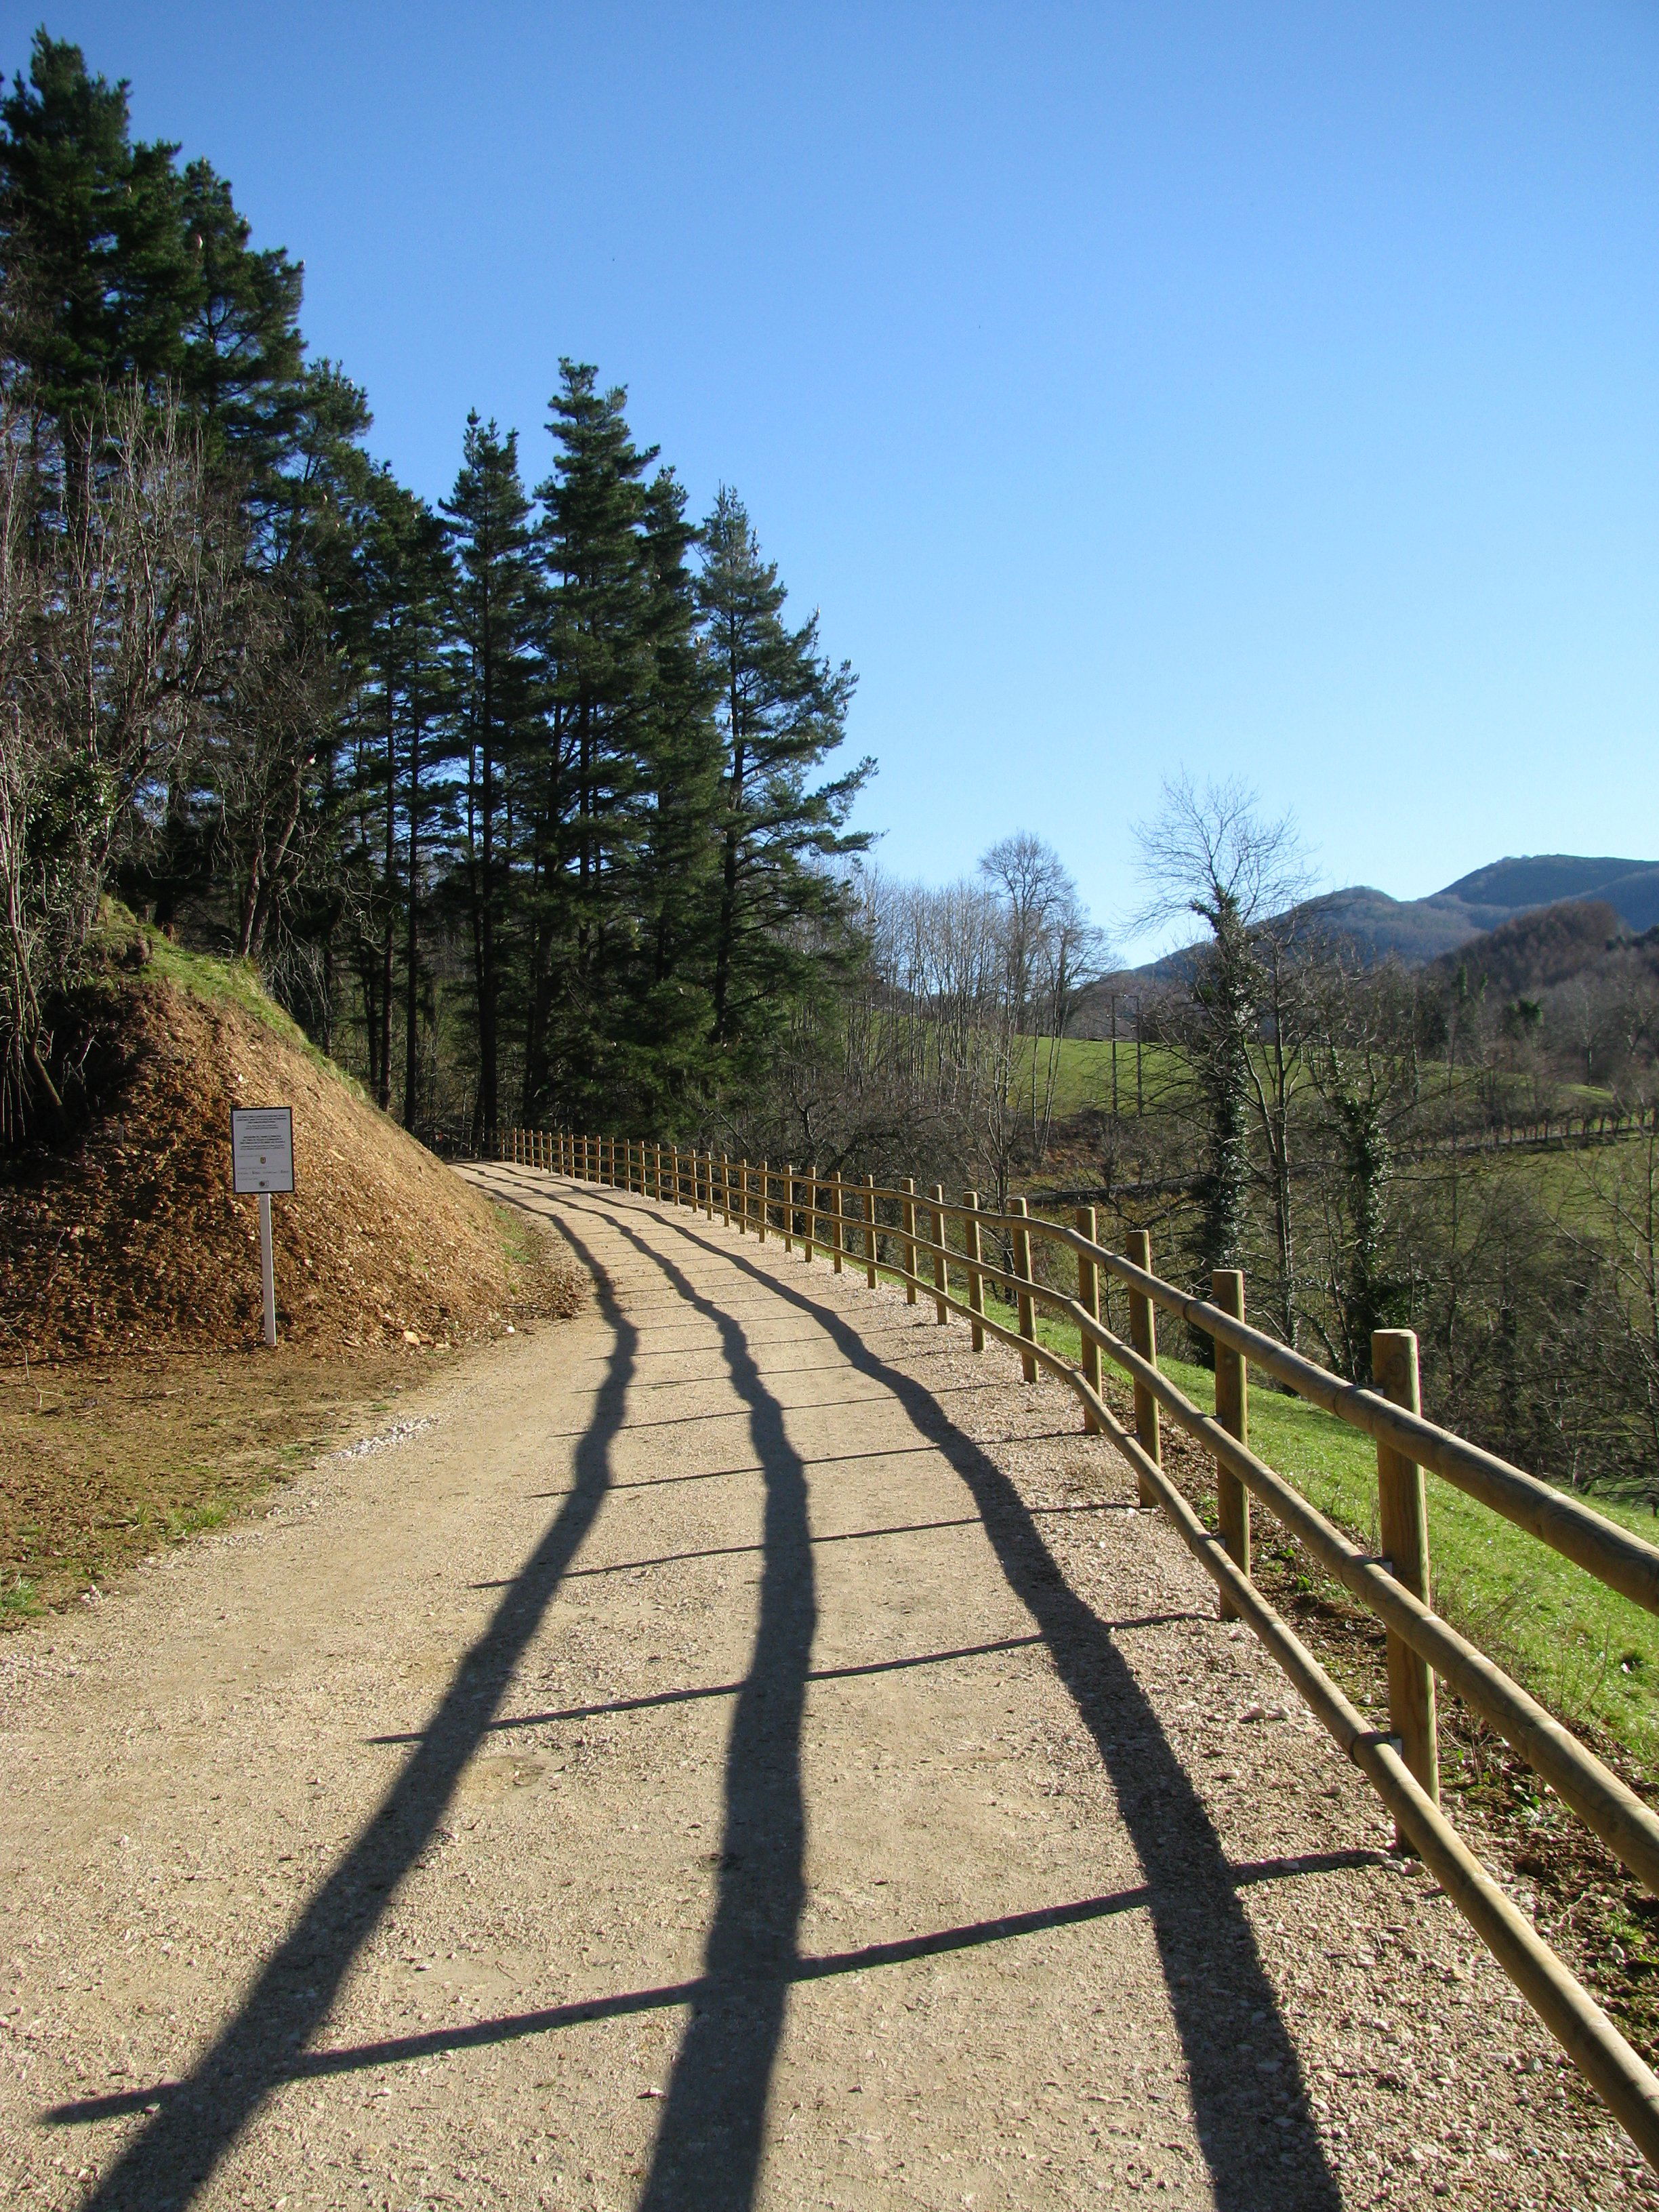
1220 1997
168 2162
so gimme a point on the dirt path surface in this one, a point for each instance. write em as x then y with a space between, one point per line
732 1748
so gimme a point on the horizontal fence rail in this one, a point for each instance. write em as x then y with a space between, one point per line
900 1232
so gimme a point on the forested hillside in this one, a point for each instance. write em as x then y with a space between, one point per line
515 803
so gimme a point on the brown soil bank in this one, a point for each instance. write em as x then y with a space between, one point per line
130 1238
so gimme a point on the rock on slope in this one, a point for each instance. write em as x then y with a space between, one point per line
132 1238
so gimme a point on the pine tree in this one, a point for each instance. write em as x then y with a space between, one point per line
496 611
783 711
240 365
670 1011
91 225
405 596
600 662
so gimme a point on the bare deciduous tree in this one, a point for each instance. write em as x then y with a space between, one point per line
117 605
1208 853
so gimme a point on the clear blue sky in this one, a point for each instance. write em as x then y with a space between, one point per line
1260 387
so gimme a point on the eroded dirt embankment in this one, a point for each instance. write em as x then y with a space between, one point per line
129 1238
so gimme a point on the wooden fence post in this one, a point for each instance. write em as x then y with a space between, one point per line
1143 1334
765 1202
908 1210
1404 1526
789 1206
869 1230
1023 1269
976 1280
837 1222
808 1215
726 1192
1232 1410
941 1266
1088 1296
709 1185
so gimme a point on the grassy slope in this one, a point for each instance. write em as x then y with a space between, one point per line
1083 1078
220 983
1583 1651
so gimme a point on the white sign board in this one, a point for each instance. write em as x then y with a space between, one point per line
261 1148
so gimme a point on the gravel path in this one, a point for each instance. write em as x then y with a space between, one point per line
733 1749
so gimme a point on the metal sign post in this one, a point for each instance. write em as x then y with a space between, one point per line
261 1161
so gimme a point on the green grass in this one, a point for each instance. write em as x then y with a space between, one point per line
1587 1653
18 1602
215 982
1083 1074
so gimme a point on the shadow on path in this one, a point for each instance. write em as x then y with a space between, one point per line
263 2044
712 2129
1219 1994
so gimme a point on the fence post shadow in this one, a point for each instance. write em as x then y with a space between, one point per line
1206 1945
255 2052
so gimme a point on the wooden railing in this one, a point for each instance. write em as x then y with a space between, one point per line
897 1231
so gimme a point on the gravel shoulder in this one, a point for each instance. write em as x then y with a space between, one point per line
732 1747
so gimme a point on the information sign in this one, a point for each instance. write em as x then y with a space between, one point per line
261 1148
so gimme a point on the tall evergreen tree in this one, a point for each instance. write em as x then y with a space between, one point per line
405 587
92 224
497 607
241 365
600 663
783 711
671 1008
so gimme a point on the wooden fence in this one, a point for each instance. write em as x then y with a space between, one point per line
938 1250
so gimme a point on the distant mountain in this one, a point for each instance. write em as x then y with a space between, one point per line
1413 930
1630 888
1419 931
1536 951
